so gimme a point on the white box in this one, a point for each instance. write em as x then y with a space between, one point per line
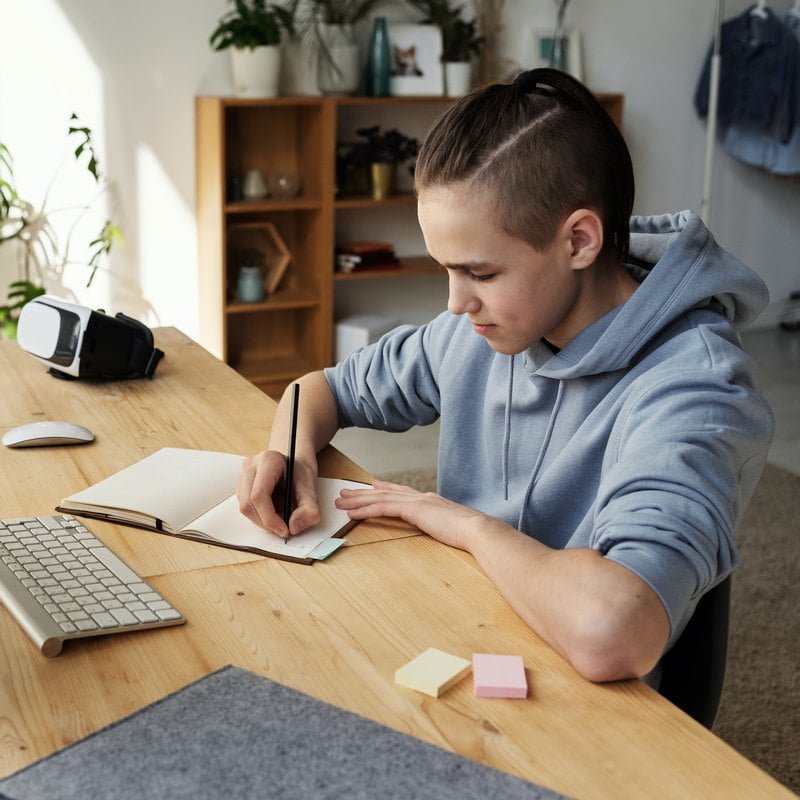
359 331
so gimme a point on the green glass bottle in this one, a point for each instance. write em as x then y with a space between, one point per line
379 60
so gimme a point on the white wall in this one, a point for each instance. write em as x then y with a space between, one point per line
131 71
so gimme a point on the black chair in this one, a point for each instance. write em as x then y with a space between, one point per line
692 672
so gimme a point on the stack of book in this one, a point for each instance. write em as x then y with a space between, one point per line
362 256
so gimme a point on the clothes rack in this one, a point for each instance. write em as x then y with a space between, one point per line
711 126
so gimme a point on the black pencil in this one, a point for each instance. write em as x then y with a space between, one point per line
289 499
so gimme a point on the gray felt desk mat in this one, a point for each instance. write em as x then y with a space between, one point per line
233 734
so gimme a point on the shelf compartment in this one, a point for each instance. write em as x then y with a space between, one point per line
410 267
303 233
273 137
275 345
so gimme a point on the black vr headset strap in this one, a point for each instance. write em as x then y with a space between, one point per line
144 356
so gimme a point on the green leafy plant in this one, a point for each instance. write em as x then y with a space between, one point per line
41 251
353 159
383 147
19 293
252 23
251 258
460 38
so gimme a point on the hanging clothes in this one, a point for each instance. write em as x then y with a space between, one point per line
759 91
758 60
760 148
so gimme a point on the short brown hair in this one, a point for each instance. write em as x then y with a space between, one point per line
543 146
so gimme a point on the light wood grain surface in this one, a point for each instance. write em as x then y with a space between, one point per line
336 630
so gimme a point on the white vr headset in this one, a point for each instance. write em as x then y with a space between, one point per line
76 342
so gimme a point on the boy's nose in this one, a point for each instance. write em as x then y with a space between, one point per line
460 299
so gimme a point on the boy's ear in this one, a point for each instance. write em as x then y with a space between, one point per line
584 228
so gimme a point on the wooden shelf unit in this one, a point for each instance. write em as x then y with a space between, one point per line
290 332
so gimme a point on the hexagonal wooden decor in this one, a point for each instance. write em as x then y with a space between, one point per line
262 236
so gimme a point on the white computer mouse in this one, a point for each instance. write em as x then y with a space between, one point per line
41 434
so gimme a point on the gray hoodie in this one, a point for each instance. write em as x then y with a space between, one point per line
643 438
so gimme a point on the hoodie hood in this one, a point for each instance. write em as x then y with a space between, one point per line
680 267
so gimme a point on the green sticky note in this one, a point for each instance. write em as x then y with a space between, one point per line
324 549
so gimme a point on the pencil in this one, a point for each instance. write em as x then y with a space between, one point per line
288 502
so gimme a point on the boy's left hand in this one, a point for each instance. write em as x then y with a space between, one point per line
444 520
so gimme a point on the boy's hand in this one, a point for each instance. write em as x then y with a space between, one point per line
260 476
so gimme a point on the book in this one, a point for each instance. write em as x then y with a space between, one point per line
192 494
357 256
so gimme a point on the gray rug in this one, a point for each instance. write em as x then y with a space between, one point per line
759 713
233 734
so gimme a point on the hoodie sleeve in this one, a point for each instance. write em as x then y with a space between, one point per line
392 385
689 451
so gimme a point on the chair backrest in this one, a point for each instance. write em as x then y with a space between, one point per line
692 672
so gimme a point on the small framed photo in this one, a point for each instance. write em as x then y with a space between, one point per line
563 52
416 60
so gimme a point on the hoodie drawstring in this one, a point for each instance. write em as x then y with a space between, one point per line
551 423
507 427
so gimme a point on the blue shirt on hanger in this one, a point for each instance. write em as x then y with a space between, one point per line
758 61
761 148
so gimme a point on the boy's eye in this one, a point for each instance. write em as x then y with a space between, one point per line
480 278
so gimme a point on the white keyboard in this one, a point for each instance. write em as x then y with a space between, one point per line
60 582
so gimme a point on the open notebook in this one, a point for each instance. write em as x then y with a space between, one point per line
192 493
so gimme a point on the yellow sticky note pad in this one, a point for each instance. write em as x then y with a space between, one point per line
432 672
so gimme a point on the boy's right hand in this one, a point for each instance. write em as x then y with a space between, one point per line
257 482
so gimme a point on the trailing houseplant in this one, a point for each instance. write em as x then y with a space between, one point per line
42 254
338 12
326 27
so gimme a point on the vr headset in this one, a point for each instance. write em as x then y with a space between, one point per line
77 342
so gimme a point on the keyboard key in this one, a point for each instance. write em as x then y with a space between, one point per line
121 570
105 620
123 617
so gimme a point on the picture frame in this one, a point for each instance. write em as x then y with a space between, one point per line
416 60
570 60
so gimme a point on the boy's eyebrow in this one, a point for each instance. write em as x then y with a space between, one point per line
466 266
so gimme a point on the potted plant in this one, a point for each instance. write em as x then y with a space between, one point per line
460 41
380 152
42 254
252 31
250 282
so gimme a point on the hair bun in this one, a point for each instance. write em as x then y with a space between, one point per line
527 82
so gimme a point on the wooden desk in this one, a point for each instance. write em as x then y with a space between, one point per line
337 630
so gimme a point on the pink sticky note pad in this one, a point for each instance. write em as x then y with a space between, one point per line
499 676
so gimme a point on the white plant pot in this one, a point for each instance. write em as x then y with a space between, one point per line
339 74
256 71
457 78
